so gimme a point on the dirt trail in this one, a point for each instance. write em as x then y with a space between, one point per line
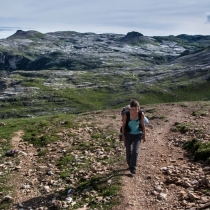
146 190
153 154
25 168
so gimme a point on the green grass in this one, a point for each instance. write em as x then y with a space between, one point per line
200 113
104 140
43 130
66 160
107 91
4 189
203 152
207 191
34 129
194 92
200 150
99 184
183 104
183 127
42 152
153 110
156 117
44 140
97 136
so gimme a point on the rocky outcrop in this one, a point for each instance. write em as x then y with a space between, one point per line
3 84
194 38
134 38
32 50
2 58
12 62
200 57
25 34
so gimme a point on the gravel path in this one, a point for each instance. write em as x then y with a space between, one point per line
166 178
147 189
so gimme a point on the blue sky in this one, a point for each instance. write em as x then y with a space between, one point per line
151 17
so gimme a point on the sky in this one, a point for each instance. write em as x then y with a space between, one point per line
150 17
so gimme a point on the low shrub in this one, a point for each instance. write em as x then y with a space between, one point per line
200 113
200 150
203 152
183 127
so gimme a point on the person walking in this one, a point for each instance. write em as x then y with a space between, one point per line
133 131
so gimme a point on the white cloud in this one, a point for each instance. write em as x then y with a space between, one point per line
148 17
208 18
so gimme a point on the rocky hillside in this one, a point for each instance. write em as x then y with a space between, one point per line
32 50
73 72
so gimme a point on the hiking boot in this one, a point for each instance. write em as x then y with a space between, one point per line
133 171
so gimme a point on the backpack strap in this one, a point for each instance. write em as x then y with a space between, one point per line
127 120
140 112
140 126
128 116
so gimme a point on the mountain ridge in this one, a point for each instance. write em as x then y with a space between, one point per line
71 72
32 50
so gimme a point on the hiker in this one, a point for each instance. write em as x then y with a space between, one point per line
133 130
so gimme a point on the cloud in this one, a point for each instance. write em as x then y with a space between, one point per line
208 19
9 28
108 16
8 31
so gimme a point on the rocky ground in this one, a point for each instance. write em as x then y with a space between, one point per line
84 51
166 178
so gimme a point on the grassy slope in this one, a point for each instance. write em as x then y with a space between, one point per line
41 131
35 133
105 92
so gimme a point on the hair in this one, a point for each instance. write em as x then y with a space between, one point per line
134 103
